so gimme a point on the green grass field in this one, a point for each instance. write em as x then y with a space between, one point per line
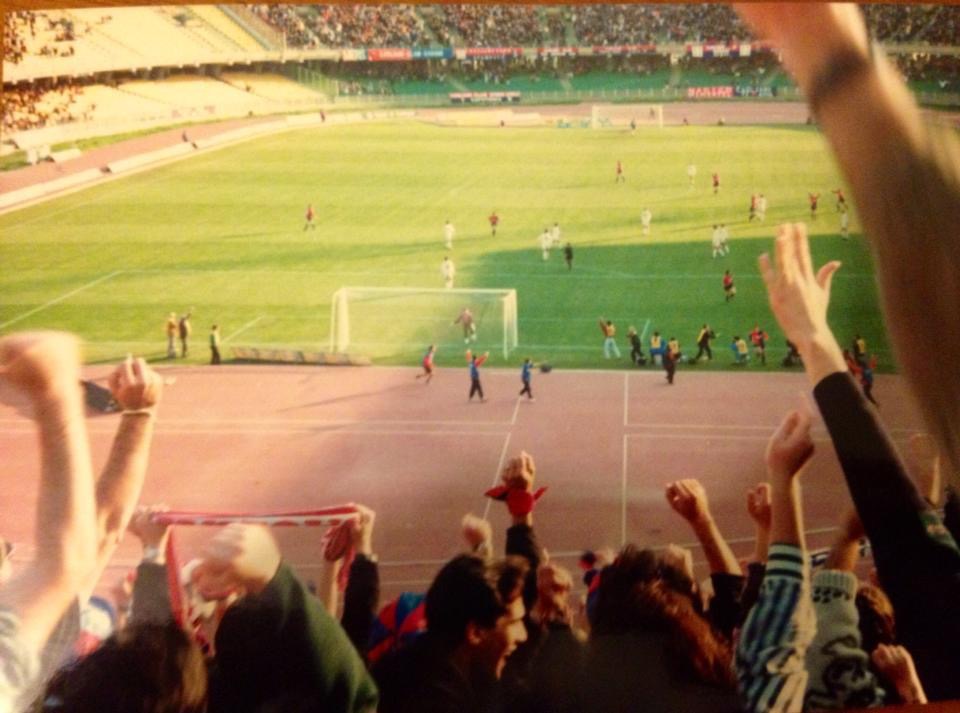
222 234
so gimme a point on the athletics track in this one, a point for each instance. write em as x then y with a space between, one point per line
242 438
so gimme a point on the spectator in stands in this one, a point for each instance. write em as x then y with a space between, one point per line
918 562
475 614
77 527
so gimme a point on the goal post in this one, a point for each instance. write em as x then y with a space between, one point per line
620 116
384 321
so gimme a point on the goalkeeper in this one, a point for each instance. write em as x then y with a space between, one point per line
465 319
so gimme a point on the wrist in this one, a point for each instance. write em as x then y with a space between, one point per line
822 356
153 554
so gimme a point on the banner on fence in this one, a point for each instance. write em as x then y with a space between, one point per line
709 92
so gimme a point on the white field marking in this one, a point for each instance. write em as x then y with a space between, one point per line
61 298
516 410
242 329
646 326
623 495
496 475
521 275
626 398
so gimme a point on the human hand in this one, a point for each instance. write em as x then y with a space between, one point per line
519 472
758 505
553 590
135 386
150 532
689 499
240 558
790 446
45 365
807 34
798 298
362 530
478 533
896 664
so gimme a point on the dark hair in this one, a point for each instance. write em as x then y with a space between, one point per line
877 624
471 589
640 592
143 668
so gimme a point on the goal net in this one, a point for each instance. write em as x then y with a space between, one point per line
622 116
390 321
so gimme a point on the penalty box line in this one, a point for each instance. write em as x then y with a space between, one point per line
61 298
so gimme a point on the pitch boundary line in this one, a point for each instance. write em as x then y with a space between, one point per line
244 328
496 475
61 298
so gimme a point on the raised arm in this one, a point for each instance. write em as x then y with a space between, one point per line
905 178
45 366
770 655
137 388
689 500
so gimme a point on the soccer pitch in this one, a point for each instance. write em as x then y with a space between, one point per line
221 234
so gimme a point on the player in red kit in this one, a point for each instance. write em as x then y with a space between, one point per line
620 176
753 206
494 221
427 364
841 201
309 217
716 183
729 290
813 198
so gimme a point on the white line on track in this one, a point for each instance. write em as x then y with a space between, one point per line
626 398
516 410
496 476
623 494
61 298
242 329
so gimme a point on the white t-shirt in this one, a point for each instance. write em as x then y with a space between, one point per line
447 269
545 240
645 218
19 666
448 232
691 170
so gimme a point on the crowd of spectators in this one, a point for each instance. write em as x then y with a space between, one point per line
500 632
40 104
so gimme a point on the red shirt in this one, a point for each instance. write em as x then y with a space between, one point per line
310 213
727 281
716 180
619 168
494 219
814 197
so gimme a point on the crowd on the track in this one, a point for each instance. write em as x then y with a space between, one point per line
498 630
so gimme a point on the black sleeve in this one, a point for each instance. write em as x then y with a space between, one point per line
951 512
360 602
522 542
151 595
917 560
724 611
751 590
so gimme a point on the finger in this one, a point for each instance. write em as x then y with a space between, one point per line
825 275
140 369
801 247
780 250
766 270
789 269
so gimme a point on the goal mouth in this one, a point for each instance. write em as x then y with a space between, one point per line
387 322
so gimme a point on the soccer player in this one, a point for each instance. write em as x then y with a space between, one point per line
844 222
448 233
729 289
555 235
716 183
215 344
673 348
568 255
427 363
753 206
813 198
669 366
609 339
859 348
717 242
762 207
646 217
465 319
184 329
310 225
841 200
620 177
448 270
656 348
172 336
636 349
525 375
692 174
703 342
724 235
475 363
759 339
494 221
740 352
545 240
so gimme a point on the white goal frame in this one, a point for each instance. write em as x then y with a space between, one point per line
340 310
